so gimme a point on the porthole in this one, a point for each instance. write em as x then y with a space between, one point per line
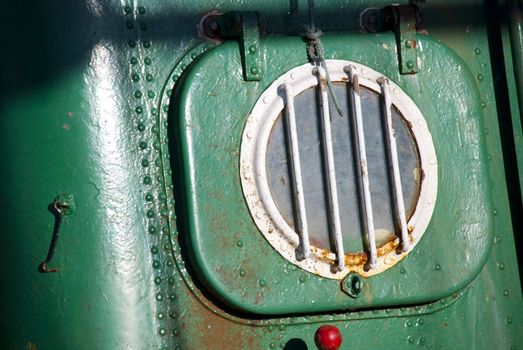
338 192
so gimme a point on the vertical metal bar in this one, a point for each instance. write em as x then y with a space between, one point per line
363 173
393 155
295 167
332 191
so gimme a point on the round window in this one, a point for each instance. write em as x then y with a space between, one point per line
339 172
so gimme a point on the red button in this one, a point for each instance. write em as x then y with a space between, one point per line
328 337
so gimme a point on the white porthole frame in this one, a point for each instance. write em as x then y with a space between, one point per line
254 178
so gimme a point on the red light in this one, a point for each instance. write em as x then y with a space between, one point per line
328 337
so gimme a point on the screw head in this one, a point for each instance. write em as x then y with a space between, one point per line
255 70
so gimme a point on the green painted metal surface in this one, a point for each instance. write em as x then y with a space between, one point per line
85 96
211 106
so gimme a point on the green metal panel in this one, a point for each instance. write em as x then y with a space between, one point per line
212 104
83 109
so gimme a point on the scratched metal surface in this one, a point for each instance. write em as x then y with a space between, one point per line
83 107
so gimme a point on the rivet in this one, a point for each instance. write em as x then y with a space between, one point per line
157 280
437 267
410 340
302 279
143 26
183 66
272 345
421 341
477 50
172 296
150 213
239 243
193 55
150 94
154 250
410 64
162 331
140 126
410 44
266 99
242 272
154 112
147 61
501 266
479 77
483 104
281 327
505 292
129 24
166 108
403 271
396 91
138 94
147 44
249 135
252 49
132 43
152 230
254 70
135 77
495 212
127 9
165 230
262 283
420 122
139 110
170 280
149 197
408 323
143 144
160 315
149 77
293 75
134 60
508 320
156 264
175 77
141 10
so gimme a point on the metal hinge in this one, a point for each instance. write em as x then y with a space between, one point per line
244 26
405 21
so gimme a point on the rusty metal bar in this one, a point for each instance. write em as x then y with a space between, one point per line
296 176
363 173
332 193
393 155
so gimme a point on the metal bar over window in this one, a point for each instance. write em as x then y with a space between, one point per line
363 173
295 172
393 156
332 191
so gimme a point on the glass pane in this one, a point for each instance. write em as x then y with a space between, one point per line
307 120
